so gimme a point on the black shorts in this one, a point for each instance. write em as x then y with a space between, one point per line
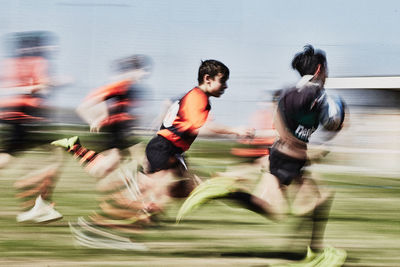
284 167
161 154
118 135
16 137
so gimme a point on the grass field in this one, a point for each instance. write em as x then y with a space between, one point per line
364 220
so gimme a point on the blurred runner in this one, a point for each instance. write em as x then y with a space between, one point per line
113 111
254 152
25 82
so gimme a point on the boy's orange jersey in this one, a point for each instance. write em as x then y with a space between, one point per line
24 71
111 90
20 72
185 117
119 100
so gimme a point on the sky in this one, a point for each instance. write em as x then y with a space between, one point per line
255 39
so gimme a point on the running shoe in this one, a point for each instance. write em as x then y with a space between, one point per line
87 235
66 143
41 212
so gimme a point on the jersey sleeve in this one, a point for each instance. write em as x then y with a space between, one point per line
109 91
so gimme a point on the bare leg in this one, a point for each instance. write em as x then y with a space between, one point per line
320 218
104 163
306 198
5 158
269 190
313 202
267 200
40 182
96 164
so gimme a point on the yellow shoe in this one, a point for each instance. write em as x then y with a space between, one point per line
66 143
333 258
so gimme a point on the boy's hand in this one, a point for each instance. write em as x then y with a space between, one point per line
95 126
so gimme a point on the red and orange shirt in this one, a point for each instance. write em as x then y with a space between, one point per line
24 71
119 99
20 72
185 117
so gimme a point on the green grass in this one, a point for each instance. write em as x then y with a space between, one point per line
364 220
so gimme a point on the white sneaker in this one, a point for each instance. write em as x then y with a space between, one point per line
41 212
98 239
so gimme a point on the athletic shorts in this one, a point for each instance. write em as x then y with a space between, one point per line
284 167
118 135
17 137
161 154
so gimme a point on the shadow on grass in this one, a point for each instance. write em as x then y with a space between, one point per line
270 255
233 254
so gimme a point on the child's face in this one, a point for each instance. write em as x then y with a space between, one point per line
216 86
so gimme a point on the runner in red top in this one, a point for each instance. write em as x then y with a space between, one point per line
191 113
25 83
109 109
186 116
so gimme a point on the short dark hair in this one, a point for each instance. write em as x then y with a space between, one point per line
132 63
307 61
30 43
212 67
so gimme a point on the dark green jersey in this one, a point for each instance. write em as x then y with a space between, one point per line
300 109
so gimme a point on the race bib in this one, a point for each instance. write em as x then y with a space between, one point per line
171 114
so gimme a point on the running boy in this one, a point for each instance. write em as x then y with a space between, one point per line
181 126
26 81
110 110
